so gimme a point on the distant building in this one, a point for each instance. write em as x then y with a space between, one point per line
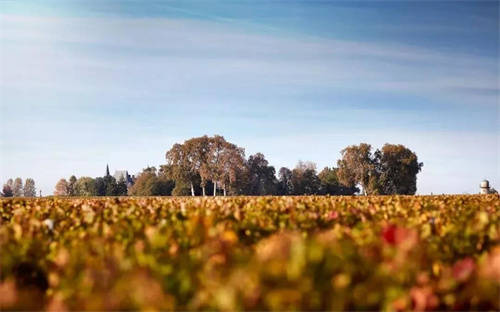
486 189
123 174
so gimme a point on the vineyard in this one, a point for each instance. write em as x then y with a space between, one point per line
251 253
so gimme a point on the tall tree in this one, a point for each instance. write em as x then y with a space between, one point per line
330 184
107 170
392 170
61 188
304 179
72 186
181 187
85 186
111 187
285 181
29 188
261 176
198 151
179 159
204 160
215 160
100 187
398 167
232 166
17 187
121 187
148 183
357 166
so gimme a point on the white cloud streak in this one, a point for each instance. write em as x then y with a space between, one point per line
181 56
52 65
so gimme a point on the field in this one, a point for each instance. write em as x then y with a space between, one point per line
251 253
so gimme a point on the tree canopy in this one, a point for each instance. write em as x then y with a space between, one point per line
204 165
391 170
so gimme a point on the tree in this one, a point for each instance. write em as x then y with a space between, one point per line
61 188
148 183
85 186
392 170
330 185
107 171
72 186
357 166
121 187
261 176
198 151
7 190
179 159
304 179
285 186
204 160
100 187
398 168
181 187
214 168
29 188
111 187
17 187
232 167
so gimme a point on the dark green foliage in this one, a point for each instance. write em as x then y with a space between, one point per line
398 167
285 185
100 187
330 185
110 186
261 176
304 179
121 187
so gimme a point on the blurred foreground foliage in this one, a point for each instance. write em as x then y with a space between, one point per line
251 253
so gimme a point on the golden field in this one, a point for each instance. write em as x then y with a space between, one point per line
251 253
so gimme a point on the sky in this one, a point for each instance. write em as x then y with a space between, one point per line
89 83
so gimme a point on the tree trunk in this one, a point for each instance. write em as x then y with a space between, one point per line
192 189
215 188
203 190
224 190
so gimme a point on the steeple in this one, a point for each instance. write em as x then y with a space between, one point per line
107 170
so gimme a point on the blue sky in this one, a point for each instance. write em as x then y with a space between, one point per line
86 83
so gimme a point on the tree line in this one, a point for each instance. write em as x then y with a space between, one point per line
15 188
106 185
213 166
204 165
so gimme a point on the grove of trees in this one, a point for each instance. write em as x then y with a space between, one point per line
87 186
211 165
205 160
391 170
15 188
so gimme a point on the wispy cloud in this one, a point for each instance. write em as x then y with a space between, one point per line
185 55
123 90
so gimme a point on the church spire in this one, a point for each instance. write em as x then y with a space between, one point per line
107 170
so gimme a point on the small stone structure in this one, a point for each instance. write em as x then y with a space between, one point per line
485 187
